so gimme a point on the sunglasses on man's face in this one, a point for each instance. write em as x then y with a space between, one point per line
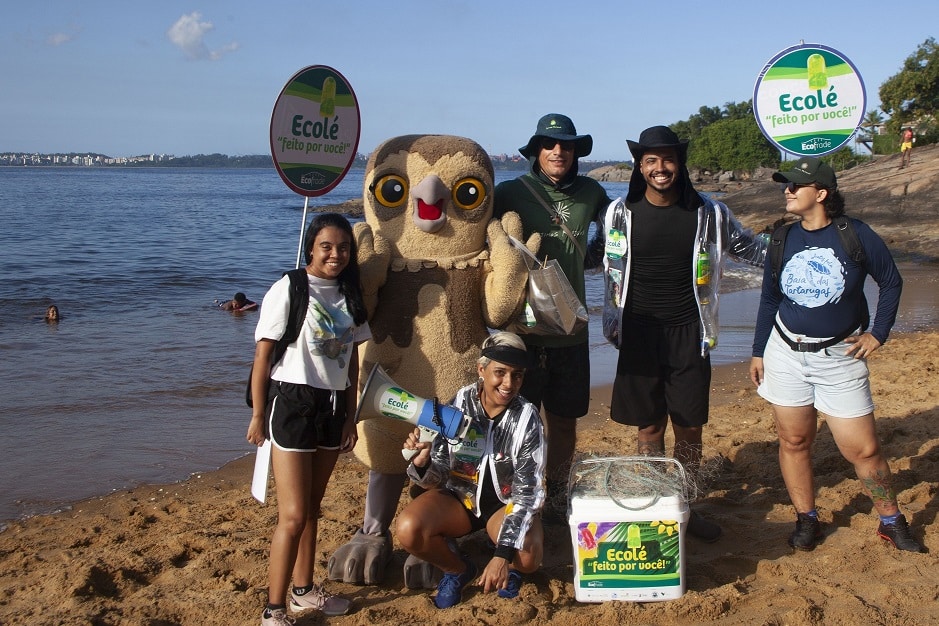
792 187
548 144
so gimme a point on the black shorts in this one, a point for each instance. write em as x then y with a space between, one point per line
559 380
659 374
304 418
488 505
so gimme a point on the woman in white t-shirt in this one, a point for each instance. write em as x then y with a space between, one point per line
309 415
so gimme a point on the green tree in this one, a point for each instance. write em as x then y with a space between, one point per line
913 93
872 121
732 144
692 127
844 159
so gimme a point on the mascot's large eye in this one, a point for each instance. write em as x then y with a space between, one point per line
468 193
390 190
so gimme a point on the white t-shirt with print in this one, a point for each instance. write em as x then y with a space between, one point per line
321 355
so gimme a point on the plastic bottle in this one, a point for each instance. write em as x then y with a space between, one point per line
614 265
818 73
702 274
328 97
633 536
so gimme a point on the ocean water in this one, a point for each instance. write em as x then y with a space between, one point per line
142 381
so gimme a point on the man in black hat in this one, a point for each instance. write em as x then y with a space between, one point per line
662 299
552 199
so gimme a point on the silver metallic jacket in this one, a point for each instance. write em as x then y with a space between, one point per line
508 452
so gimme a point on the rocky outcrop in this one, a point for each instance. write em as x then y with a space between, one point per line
611 173
901 205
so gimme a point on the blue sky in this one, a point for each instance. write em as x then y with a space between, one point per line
201 76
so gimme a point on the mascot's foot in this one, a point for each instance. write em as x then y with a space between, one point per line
420 574
361 561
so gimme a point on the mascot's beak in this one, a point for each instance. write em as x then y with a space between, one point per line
429 198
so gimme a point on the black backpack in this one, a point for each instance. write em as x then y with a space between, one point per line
299 300
849 241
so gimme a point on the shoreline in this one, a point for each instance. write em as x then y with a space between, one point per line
919 310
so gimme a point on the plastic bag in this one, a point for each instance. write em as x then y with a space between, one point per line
551 305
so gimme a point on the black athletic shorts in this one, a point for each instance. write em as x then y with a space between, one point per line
304 418
559 380
660 373
488 505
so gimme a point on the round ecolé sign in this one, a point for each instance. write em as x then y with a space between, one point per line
809 100
315 130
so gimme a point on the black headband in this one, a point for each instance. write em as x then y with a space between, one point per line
506 354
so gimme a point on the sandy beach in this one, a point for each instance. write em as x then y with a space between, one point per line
196 552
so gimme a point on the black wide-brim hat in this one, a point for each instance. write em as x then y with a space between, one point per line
658 137
560 127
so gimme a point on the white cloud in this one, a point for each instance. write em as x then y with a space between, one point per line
57 39
188 34
217 54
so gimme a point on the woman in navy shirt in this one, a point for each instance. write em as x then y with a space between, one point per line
811 346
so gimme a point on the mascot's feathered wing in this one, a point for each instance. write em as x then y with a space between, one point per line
437 272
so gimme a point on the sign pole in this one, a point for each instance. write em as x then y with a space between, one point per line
306 204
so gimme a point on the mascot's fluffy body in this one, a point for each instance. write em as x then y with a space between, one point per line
437 270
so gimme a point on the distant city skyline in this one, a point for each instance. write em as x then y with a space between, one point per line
181 78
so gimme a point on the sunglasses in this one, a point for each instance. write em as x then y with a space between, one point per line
548 144
792 187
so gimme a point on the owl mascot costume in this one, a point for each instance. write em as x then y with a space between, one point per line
437 272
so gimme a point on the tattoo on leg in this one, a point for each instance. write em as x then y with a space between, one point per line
878 487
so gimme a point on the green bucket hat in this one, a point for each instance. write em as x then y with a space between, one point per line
560 127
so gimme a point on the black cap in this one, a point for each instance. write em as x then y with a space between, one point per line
808 170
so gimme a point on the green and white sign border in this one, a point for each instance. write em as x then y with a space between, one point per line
809 121
315 129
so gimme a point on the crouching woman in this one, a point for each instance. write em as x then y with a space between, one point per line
492 479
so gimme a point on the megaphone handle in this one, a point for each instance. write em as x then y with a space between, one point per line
426 436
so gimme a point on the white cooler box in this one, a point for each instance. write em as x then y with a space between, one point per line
629 541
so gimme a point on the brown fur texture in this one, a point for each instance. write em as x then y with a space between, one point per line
432 288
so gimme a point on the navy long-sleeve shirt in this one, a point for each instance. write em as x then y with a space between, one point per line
821 291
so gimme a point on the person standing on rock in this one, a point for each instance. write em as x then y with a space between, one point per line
906 146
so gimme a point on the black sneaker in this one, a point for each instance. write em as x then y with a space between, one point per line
899 535
702 529
807 533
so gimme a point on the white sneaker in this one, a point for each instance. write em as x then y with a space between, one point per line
277 617
319 599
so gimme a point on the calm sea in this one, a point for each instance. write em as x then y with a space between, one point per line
142 381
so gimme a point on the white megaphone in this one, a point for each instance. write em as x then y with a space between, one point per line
382 397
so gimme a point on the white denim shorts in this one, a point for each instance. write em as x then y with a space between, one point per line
836 384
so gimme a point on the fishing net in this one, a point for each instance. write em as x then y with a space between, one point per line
632 482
